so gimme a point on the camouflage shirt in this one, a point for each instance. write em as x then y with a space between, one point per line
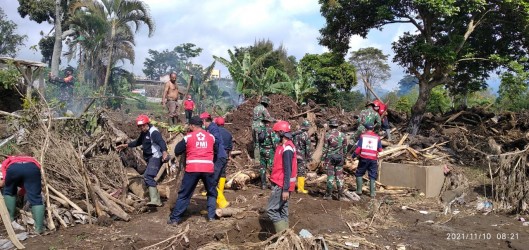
259 112
303 144
335 143
267 138
369 115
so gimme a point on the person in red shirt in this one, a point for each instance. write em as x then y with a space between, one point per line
199 147
189 106
367 149
23 171
283 176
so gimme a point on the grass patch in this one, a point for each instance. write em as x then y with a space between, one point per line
151 108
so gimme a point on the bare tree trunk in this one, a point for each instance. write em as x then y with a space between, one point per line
57 46
109 63
419 107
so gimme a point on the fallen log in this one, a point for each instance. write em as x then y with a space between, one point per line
316 156
62 196
125 206
164 190
227 212
235 152
110 205
323 177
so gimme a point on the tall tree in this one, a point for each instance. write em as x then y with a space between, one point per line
9 39
330 73
406 84
371 66
163 62
278 57
451 37
124 18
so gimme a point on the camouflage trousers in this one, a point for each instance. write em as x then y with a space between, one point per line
266 160
333 172
302 167
256 148
358 132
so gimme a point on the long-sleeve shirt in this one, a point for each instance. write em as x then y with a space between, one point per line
227 139
152 143
288 155
214 130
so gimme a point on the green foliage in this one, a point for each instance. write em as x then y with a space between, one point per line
513 92
348 100
406 84
38 10
278 58
330 73
163 62
391 99
481 98
405 102
298 87
439 100
9 39
46 48
9 76
372 67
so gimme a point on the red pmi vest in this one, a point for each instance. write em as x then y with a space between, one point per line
369 147
278 174
199 151
16 159
189 104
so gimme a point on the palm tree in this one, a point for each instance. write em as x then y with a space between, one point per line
121 16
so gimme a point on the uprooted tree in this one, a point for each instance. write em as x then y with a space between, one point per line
453 39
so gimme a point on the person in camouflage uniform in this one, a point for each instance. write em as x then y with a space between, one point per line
259 113
368 115
267 145
333 157
303 152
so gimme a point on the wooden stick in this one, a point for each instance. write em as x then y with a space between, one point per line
51 224
412 152
433 146
454 116
161 171
392 150
62 196
403 139
180 234
310 110
7 140
118 201
10 114
112 206
63 202
7 223
93 145
56 214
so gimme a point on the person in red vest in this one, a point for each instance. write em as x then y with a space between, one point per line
283 177
367 149
23 171
189 106
382 108
200 148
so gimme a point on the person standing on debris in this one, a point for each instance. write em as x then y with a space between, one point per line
227 140
170 98
382 111
23 171
200 148
189 106
367 149
304 154
259 112
333 157
283 177
368 115
221 158
268 141
66 86
154 153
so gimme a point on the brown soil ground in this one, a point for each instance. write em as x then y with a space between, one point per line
391 227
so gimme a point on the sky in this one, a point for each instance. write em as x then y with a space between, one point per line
216 26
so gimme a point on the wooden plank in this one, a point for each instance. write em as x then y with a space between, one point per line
403 139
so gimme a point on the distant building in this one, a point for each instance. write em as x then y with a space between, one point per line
215 74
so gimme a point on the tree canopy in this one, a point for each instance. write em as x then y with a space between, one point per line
9 39
371 66
453 39
160 63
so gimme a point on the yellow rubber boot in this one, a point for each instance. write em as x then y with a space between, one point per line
221 199
301 186
222 182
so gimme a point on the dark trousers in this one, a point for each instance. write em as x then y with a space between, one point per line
385 123
189 114
277 208
220 169
371 166
25 175
153 166
189 183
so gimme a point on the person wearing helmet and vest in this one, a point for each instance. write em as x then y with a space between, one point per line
200 148
304 153
283 177
268 140
259 113
154 153
382 108
221 158
189 106
23 171
368 115
367 149
333 157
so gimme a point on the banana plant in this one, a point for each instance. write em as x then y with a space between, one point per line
299 87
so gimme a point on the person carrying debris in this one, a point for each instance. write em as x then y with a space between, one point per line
227 140
333 157
170 98
154 153
382 108
200 148
367 149
66 86
369 114
23 171
304 154
221 158
189 106
283 177
259 112
267 144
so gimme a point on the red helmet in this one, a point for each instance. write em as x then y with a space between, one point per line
142 119
219 121
205 115
283 126
381 106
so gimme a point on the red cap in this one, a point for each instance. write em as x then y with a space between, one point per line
219 121
205 115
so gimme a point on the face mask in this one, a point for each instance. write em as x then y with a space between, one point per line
173 81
